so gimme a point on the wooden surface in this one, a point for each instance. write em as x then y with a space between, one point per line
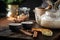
6 32
4 22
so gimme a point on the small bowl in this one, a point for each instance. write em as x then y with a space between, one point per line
27 25
14 27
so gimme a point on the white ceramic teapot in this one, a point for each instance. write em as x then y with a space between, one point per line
51 18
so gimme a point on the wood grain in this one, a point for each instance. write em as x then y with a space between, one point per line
4 22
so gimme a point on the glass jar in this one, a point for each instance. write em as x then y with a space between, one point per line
12 10
24 11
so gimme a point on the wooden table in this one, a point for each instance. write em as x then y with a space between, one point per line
5 32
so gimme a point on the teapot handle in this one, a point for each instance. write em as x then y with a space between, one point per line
56 4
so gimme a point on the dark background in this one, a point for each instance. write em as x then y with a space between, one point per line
25 3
